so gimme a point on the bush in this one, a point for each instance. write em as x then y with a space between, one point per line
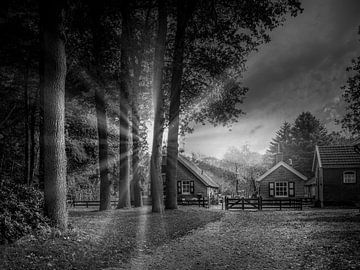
20 211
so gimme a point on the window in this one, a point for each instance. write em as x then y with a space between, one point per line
185 187
291 189
281 189
271 189
349 177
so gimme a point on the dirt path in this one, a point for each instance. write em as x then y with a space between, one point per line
264 240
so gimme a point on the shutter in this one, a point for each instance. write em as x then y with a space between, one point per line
291 189
192 187
271 189
179 187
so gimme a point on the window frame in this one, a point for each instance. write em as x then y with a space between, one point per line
286 190
182 187
347 172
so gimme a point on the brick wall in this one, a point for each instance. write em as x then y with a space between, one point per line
281 174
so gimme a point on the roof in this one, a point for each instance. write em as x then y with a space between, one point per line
197 172
310 182
286 166
336 156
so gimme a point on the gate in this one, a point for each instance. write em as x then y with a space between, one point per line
260 204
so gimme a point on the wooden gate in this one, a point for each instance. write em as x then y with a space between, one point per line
260 204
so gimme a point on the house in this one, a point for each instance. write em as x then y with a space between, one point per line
191 180
337 174
281 181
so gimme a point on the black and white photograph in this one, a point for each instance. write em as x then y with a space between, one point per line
180 134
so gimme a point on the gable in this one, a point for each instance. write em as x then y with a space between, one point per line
197 172
281 164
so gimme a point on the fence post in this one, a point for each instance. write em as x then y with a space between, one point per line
280 204
260 203
300 203
226 203
242 203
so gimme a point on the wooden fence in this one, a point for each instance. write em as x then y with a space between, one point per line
201 202
260 204
87 204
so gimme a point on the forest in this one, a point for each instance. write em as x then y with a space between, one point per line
94 92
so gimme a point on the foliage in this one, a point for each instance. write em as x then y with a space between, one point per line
219 38
351 95
20 210
298 140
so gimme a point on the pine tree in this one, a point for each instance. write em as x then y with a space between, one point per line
307 132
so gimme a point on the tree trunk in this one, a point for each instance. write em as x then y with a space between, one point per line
136 155
27 171
184 11
155 162
124 175
33 137
53 87
105 184
100 104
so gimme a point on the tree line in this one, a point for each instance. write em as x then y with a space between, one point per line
82 82
296 141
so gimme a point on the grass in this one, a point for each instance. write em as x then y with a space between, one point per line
103 239
310 239
195 238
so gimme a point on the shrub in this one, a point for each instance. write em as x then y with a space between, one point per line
20 210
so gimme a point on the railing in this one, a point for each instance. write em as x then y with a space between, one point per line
260 204
87 204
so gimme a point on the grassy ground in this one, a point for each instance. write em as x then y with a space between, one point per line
317 239
195 238
103 239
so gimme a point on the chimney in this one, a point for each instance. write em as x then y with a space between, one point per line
290 162
278 156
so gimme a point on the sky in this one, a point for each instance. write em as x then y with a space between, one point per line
301 69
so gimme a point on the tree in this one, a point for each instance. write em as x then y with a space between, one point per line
184 13
306 133
125 111
219 48
282 141
98 36
156 152
351 95
53 88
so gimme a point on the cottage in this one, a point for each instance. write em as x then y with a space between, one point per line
281 181
337 174
192 181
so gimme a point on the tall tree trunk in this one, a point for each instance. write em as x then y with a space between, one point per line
100 104
105 184
184 11
124 181
135 155
41 121
53 87
27 171
33 136
158 129
136 140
